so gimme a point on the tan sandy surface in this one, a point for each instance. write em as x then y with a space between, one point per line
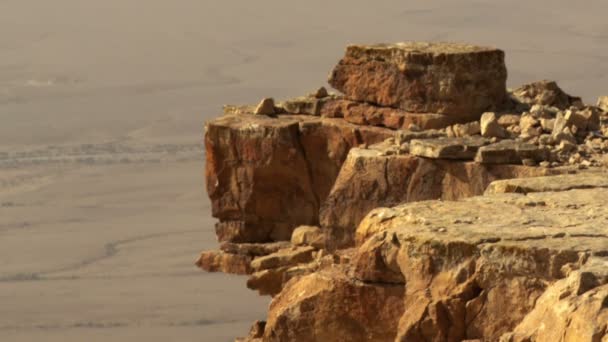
102 203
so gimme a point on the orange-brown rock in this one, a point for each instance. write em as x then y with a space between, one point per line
362 113
273 271
255 333
308 236
370 178
254 249
546 93
266 176
457 80
525 268
219 261
328 306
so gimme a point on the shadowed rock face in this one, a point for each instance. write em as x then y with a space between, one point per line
266 176
457 80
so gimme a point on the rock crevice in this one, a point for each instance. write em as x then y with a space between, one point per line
426 203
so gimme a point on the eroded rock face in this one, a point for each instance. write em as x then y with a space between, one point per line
329 306
370 178
390 245
479 267
266 176
457 80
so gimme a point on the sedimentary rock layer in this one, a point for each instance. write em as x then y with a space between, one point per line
370 178
457 80
506 267
265 176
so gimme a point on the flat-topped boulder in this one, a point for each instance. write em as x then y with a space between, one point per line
457 80
566 182
464 148
511 152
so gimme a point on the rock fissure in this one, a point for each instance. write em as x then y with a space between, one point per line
427 203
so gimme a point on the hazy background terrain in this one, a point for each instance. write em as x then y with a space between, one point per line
102 103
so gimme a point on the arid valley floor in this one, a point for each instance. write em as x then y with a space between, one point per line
103 208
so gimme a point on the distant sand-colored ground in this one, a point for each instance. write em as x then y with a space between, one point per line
102 201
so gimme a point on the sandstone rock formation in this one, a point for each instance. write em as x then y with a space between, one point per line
427 203
454 79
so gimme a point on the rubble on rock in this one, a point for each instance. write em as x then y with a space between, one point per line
427 203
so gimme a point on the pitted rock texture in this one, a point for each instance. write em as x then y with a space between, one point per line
457 80
265 176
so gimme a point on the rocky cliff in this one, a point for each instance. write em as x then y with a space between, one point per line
427 203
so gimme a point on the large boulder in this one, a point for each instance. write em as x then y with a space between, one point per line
457 80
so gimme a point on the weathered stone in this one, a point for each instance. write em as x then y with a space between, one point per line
602 103
321 93
407 136
510 152
241 231
367 114
265 176
219 261
284 257
458 80
253 249
328 306
267 282
448 148
546 93
566 146
370 179
266 107
308 236
547 125
255 333
311 105
484 267
506 120
587 180
468 129
572 309
490 128
528 122
235 109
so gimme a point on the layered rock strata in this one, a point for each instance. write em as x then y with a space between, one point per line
458 80
362 214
